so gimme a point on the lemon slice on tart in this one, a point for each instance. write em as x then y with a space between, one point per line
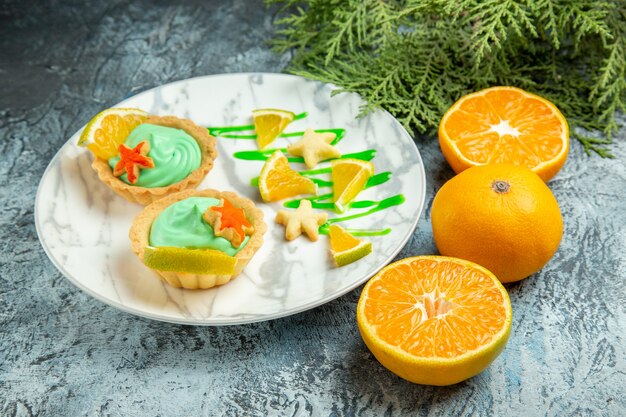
193 261
108 129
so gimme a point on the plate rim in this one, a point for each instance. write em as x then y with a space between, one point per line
219 320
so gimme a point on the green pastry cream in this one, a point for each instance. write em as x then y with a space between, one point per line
174 152
181 225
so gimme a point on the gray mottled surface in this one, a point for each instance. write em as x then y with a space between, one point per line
64 353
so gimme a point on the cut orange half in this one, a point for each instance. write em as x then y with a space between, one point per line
104 133
349 178
346 248
505 125
434 320
269 123
277 180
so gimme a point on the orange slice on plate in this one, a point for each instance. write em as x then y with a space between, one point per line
434 320
346 248
104 133
505 125
277 180
269 123
349 179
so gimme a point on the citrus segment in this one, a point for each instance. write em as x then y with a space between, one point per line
345 248
269 123
192 261
505 125
349 178
501 216
108 129
434 320
277 180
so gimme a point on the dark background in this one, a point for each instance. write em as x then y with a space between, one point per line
64 353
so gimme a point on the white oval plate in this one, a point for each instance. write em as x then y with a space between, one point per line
83 226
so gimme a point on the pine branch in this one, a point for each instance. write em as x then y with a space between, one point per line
414 58
596 145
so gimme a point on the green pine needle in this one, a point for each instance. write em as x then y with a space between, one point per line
415 58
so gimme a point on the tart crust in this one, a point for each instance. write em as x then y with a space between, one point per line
140 237
144 195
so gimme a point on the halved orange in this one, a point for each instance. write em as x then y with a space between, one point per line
434 320
505 125
269 123
277 180
104 133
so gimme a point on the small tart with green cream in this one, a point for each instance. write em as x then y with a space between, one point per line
188 246
160 156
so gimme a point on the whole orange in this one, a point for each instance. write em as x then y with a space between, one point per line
500 216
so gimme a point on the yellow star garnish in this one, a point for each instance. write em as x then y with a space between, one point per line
314 147
304 219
